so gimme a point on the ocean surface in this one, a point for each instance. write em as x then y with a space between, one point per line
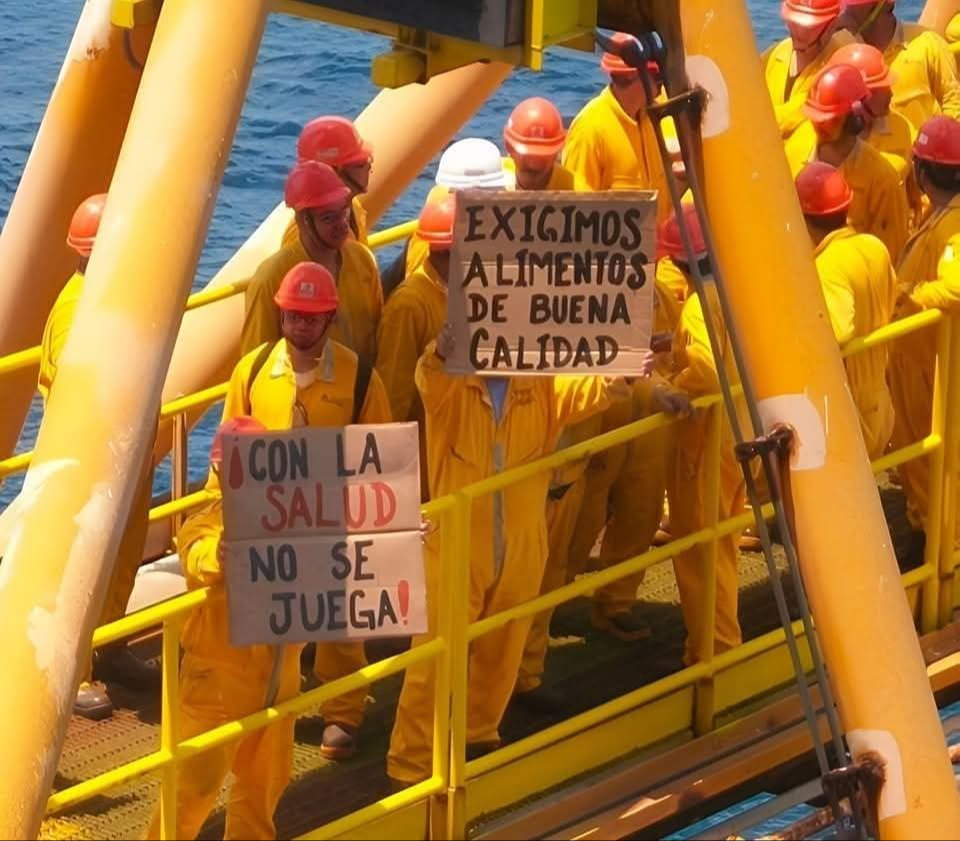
304 69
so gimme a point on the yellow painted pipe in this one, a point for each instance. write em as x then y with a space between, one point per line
406 127
936 14
100 418
73 156
791 355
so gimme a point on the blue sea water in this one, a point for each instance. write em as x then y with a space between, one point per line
304 69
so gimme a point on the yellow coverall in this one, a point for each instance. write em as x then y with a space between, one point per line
327 401
924 75
564 499
879 198
358 225
624 485
130 551
508 541
892 136
696 375
913 358
220 683
412 318
860 288
607 149
358 286
779 63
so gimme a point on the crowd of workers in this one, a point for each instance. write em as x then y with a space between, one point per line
867 108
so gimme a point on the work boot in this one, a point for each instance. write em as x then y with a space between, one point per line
118 664
541 700
92 702
339 742
624 625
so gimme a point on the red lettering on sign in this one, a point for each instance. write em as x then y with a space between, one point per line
355 521
321 522
274 491
299 508
386 503
403 594
236 468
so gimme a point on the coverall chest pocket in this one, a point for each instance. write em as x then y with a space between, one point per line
525 430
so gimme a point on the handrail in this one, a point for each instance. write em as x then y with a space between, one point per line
29 357
452 640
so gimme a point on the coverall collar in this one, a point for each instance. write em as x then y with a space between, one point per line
282 366
841 233
515 385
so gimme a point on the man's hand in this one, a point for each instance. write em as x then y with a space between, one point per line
661 342
427 527
445 341
672 402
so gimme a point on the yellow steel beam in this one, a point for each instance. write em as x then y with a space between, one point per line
130 14
846 553
102 413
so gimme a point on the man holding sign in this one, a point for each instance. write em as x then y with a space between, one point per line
220 682
307 379
478 427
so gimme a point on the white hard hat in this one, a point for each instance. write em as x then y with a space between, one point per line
473 162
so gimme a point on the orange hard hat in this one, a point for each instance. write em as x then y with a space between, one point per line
307 287
869 61
810 13
85 224
240 425
436 222
613 65
669 241
835 93
312 185
822 190
333 141
939 141
535 129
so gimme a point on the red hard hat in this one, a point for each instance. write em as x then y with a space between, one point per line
312 185
307 287
333 141
869 61
669 242
240 425
612 64
835 93
85 223
939 141
822 190
535 129
810 13
436 222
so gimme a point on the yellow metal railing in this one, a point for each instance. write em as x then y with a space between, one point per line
451 772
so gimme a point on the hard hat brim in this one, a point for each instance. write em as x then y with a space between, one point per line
304 306
535 149
82 245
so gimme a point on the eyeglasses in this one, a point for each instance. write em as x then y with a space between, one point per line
308 319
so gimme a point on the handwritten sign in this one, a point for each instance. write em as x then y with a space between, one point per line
321 534
552 282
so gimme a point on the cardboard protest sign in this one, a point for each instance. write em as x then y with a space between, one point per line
325 588
552 282
322 534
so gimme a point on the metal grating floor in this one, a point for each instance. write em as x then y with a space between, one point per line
587 666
